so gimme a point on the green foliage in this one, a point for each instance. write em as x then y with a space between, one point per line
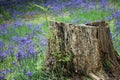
80 16
5 14
37 67
13 31
62 61
107 63
61 57
45 12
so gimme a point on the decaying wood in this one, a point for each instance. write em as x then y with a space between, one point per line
89 47
93 76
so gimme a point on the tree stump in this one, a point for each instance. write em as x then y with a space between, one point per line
82 51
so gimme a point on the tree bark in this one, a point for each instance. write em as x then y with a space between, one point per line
83 51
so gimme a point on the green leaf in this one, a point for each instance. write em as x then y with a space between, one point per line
44 9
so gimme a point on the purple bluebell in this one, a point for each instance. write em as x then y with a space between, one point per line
20 55
11 52
2 44
91 6
15 64
15 38
118 25
31 51
2 77
40 26
3 55
41 51
4 25
29 41
7 70
116 14
57 9
18 24
29 24
2 72
23 39
17 12
29 73
11 47
3 30
33 13
111 34
109 18
43 42
117 33
37 29
104 3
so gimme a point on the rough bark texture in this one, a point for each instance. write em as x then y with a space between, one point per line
83 51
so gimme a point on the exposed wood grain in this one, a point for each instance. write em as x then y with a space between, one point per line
90 46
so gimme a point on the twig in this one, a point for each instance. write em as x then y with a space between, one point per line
94 77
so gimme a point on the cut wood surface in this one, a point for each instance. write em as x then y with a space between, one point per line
84 50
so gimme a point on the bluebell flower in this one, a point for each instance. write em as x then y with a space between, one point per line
3 30
3 55
29 73
2 77
11 47
29 24
29 41
116 14
15 64
4 25
17 12
56 9
23 39
15 38
33 13
104 3
117 33
37 29
41 51
2 44
43 42
111 34
12 51
40 26
109 18
91 6
20 55
7 70
18 24
118 25
2 72
31 51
